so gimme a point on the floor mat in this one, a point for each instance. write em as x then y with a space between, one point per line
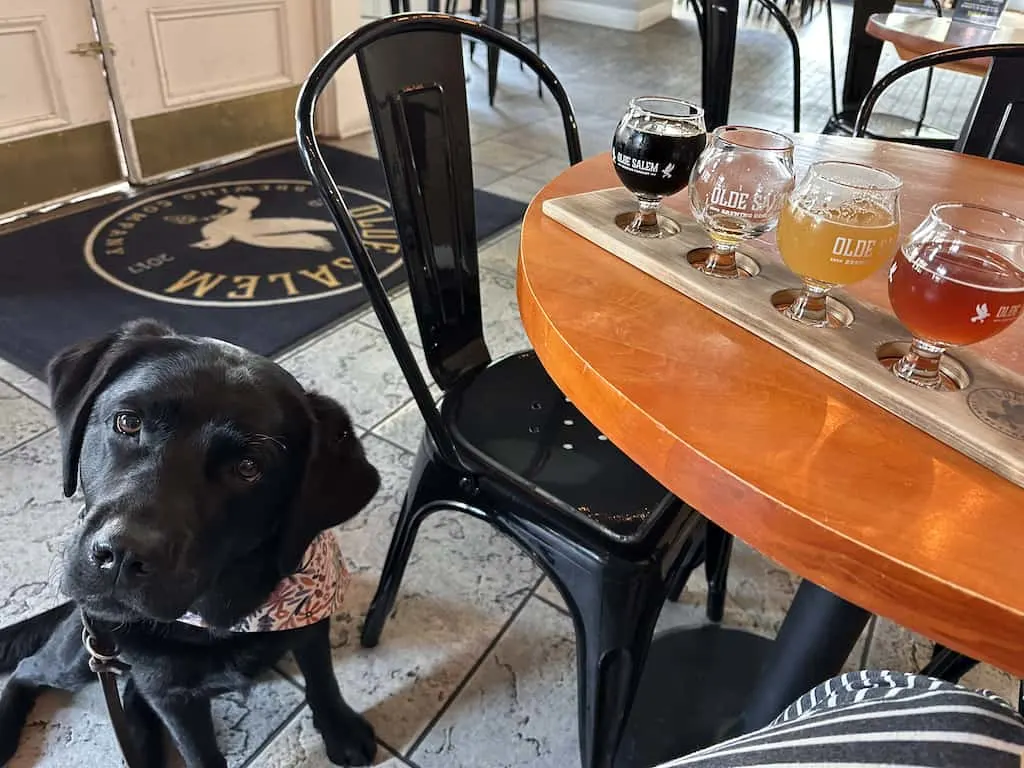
245 253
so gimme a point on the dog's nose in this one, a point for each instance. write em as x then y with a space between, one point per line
121 558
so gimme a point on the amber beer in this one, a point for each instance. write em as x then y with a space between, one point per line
837 247
973 295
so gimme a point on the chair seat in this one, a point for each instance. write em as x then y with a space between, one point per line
885 126
514 420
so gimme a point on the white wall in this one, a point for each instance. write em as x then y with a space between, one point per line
342 110
631 15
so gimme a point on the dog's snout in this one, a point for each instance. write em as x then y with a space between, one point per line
125 558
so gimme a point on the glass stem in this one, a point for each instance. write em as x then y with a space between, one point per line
721 261
647 216
810 306
921 365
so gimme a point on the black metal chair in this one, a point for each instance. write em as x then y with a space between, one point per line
1005 143
841 122
506 446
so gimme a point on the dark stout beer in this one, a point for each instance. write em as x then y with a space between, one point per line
655 158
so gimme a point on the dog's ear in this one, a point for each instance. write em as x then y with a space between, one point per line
78 374
338 481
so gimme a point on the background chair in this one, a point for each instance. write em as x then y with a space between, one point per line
506 446
452 7
1002 143
897 127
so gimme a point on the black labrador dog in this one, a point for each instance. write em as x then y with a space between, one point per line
206 473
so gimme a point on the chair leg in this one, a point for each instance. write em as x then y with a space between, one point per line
948 665
519 29
536 42
690 561
416 507
718 551
614 624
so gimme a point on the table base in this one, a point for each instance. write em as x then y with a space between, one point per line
694 688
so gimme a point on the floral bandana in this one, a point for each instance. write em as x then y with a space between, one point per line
311 594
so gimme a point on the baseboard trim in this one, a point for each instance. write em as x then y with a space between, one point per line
606 16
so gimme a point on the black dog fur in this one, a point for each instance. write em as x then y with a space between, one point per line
234 469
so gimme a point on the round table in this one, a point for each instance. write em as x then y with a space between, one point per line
914 34
801 468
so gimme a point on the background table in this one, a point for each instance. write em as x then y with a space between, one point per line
798 466
914 35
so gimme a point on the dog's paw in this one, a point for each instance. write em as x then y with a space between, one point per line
10 735
15 705
350 742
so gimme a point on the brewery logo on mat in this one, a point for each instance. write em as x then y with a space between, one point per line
239 244
1001 409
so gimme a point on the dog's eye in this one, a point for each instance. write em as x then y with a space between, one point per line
249 469
127 423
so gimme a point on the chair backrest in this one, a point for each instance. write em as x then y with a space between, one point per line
415 85
1008 144
927 61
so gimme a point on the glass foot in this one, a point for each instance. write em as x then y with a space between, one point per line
953 375
662 227
745 266
836 315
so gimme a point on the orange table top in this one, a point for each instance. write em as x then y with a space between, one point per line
801 468
916 33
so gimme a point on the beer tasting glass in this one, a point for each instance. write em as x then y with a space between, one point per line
737 190
654 148
840 224
958 280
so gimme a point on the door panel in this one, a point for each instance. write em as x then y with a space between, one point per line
201 79
55 133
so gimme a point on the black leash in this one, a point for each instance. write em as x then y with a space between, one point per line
104 660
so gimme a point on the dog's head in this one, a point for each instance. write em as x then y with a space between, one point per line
206 471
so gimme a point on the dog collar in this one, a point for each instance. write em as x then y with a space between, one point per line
311 594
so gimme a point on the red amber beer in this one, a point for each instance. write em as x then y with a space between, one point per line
971 294
957 280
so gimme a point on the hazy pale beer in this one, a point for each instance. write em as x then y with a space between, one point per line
837 246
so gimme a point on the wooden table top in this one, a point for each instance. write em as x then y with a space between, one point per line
914 34
801 468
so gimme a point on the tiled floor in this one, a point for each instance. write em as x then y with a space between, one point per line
476 668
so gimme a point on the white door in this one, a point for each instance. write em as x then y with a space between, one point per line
56 138
197 80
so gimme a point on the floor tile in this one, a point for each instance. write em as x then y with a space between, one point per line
356 366
505 157
503 329
545 170
21 418
502 253
35 519
68 730
517 187
519 708
463 582
299 745
404 427
25 382
899 649
485 174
